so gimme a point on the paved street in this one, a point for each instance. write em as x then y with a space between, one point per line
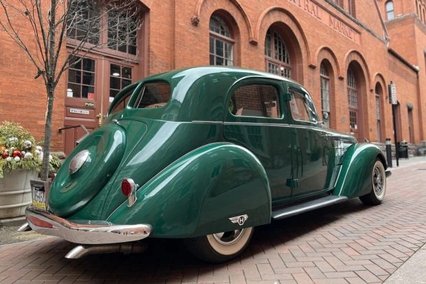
347 243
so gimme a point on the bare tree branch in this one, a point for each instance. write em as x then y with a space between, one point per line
9 28
41 23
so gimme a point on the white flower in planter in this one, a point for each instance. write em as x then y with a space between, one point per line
9 159
12 140
28 155
17 159
27 144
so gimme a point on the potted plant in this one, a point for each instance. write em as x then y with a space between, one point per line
20 161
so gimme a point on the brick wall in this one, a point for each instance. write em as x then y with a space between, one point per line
176 35
22 98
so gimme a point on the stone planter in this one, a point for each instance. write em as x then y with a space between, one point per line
15 193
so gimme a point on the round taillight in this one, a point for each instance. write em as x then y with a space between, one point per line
127 186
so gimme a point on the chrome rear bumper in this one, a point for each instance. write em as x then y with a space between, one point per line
49 224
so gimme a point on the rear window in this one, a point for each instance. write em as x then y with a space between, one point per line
153 95
121 103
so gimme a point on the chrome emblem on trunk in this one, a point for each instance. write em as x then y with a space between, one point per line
240 220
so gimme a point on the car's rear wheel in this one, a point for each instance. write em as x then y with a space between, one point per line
220 247
378 185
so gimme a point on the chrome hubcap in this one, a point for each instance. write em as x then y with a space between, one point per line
228 238
378 181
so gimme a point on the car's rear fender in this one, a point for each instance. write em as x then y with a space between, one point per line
354 178
201 193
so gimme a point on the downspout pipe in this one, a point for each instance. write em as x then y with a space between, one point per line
386 34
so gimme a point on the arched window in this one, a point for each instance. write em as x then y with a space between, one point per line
221 43
277 55
353 101
379 115
325 93
389 10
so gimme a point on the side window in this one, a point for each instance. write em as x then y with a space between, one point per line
153 95
300 108
255 100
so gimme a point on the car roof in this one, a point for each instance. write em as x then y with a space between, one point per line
198 72
199 93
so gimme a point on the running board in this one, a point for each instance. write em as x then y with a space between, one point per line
307 206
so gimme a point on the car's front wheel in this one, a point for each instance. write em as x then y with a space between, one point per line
378 185
220 247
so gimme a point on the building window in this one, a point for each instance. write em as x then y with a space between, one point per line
122 33
352 101
351 8
420 10
221 43
338 2
81 78
277 55
120 77
389 10
423 14
325 94
378 96
85 23
118 32
108 30
410 123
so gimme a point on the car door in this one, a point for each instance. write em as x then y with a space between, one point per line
256 121
312 148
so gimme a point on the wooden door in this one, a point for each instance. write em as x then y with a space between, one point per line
82 102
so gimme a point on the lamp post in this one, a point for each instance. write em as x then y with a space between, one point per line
389 152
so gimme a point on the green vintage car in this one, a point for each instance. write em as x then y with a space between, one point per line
205 155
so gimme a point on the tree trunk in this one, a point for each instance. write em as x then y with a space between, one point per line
47 134
50 88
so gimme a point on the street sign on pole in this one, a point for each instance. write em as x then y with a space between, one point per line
392 94
394 101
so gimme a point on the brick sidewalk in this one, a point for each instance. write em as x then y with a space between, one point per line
346 243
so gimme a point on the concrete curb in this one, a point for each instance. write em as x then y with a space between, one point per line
412 271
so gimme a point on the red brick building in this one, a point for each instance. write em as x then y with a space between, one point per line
346 53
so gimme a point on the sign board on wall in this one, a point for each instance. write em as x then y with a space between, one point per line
392 94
